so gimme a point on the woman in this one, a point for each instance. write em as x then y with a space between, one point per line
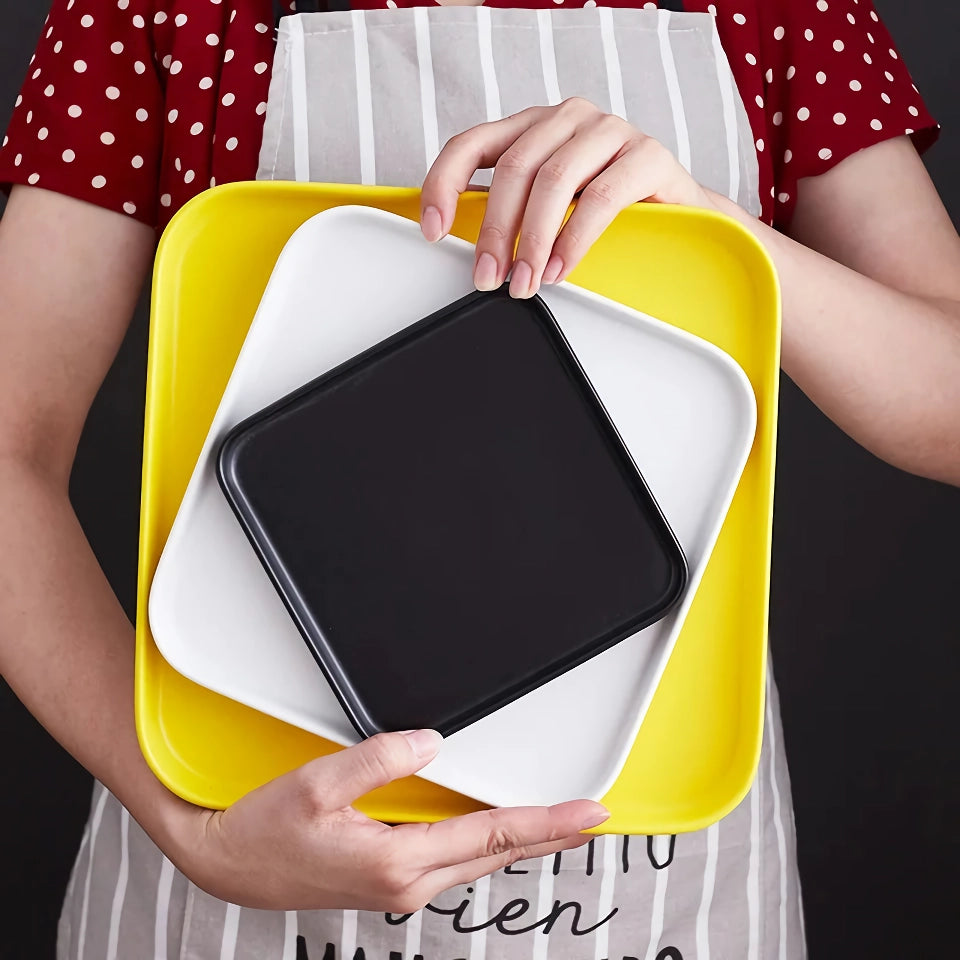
131 107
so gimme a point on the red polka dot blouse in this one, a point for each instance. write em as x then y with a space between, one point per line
138 105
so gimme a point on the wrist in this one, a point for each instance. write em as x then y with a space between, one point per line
173 824
178 830
776 244
725 205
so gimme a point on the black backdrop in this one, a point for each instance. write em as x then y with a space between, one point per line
863 627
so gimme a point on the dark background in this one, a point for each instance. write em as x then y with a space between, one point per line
863 625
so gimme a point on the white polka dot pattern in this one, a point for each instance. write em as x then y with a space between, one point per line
153 76
827 93
168 96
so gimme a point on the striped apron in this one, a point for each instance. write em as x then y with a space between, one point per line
406 81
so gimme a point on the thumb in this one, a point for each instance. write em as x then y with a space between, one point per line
356 771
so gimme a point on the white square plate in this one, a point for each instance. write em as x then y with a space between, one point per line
347 279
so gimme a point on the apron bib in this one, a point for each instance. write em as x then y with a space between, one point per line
370 97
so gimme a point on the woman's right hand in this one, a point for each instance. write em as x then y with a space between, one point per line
298 843
69 277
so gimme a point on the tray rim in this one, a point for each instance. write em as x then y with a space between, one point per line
344 195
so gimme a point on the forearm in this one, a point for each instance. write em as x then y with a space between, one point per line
69 277
66 646
884 365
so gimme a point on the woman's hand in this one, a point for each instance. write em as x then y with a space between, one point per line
298 843
69 278
543 157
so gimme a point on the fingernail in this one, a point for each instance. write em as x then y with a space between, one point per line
425 743
521 279
552 270
485 272
431 223
596 818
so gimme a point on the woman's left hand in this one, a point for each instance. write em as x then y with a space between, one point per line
542 158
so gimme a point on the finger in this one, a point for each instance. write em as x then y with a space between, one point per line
573 165
515 173
490 833
449 175
448 877
647 171
342 777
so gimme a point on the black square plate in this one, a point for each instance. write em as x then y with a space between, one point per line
451 517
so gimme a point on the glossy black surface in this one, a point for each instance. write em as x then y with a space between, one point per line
451 518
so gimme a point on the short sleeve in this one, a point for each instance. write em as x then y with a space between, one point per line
88 121
835 84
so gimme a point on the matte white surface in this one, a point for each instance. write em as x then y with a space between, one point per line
347 279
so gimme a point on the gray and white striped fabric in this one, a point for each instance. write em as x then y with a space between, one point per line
402 82
370 97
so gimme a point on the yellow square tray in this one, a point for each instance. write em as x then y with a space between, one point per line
698 747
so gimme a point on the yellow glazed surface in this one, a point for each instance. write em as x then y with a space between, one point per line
698 747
